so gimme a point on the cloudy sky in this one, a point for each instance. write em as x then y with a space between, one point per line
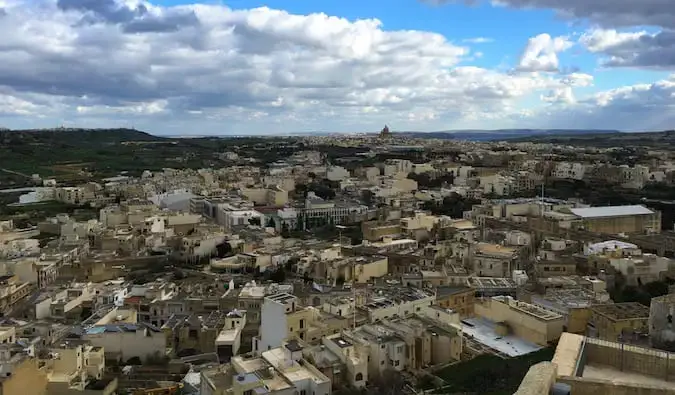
288 66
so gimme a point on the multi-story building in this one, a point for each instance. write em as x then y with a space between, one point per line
122 342
397 302
357 269
661 327
228 341
619 321
20 373
12 291
569 170
618 219
320 212
376 230
193 334
460 299
76 368
527 321
282 318
278 371
493 260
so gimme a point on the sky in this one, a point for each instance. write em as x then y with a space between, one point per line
245 67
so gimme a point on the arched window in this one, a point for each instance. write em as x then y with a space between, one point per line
359 376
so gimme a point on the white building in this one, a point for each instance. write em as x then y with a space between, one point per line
229 338
125 341
337 173
569 170
273 321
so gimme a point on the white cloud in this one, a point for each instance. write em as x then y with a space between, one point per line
207 68
635 48
632 49
478 40
606 12
541 53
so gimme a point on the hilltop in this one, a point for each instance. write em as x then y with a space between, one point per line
502 134
74 136
79 153
613 139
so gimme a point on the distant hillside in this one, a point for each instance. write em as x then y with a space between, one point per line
74 136
664 139
73 153
502 134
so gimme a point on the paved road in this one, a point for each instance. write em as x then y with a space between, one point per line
16 172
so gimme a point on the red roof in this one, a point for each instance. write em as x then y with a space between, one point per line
133 300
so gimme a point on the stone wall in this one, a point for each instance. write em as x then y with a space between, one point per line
629 358
580 386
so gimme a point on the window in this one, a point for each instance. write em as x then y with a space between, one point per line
396 363
359 377
302 324
303 392
248 392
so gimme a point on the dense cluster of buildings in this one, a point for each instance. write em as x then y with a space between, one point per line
244 280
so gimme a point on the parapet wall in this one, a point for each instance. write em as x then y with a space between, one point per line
581 386
624 357
538 380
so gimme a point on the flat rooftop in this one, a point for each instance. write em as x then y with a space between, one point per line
530 309
633 366
389 296
611 211
341 342
484 331
494 249
227 336
622 311
452 290
609 373
491 282
290 369
282 298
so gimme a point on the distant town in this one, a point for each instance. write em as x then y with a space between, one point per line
374 263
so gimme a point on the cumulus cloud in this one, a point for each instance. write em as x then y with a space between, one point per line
605 12
620 48
208 68
632 49
637 107
541 53
478 40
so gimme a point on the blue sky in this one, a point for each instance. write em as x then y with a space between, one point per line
231 67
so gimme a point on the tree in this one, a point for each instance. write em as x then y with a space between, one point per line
368 197
223 249
279 275
390 382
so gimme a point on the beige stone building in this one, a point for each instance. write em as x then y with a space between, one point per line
588 366
612 321
525 320
376 230
618 219
458 298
